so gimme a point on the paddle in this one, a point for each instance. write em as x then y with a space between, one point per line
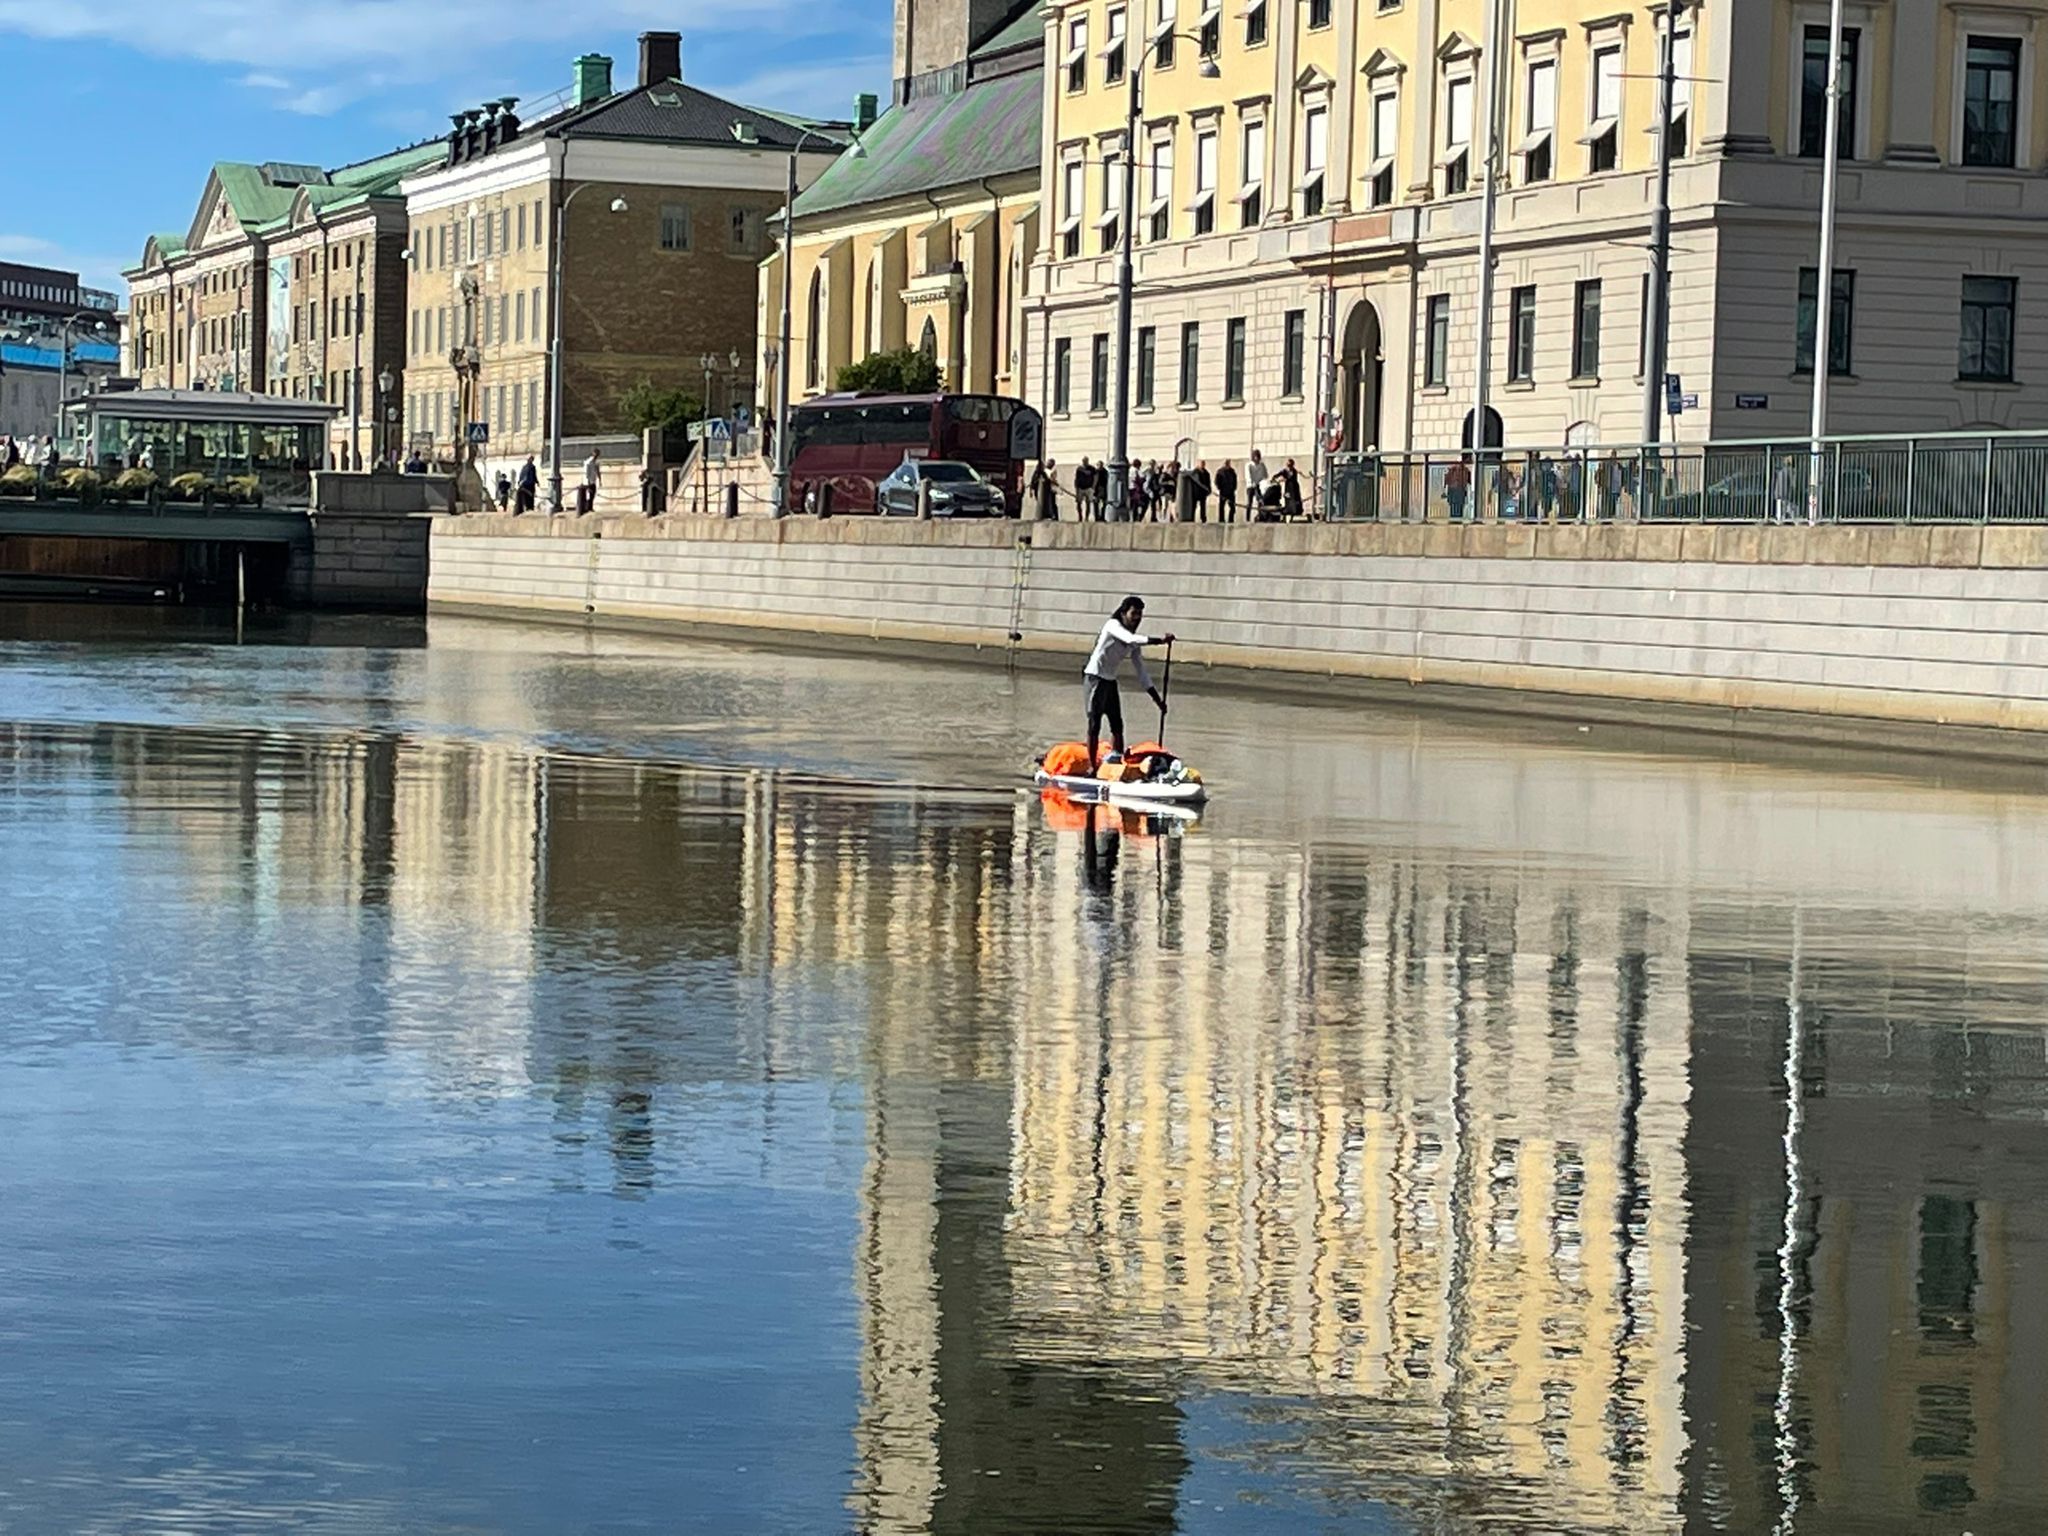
1165 691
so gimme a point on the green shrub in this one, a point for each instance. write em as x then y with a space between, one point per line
243 490
133 484
82 483
905 371
18 481
190 486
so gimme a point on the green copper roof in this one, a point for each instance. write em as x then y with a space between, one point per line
1024 27
989 129
384 173
254 200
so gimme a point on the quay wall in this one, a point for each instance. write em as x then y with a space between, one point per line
1845 632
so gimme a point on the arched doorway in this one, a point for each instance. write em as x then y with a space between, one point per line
928 342
1496 433
1359 366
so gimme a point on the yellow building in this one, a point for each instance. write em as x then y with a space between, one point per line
1309 222
925 239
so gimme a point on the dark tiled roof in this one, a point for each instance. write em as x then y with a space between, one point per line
675 113
988 129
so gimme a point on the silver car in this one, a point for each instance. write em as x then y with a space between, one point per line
957 491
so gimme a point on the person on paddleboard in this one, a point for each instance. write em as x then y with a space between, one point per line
1120 641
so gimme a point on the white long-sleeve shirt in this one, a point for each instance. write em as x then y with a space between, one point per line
1113 647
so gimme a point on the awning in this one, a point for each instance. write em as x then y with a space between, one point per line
1453 155
1157 205
1250 190
1109 217
1598 130
1070 225
1075 56
1311 180
1383 164
1533 142
1163 30
1252 9
1202 200
1211 10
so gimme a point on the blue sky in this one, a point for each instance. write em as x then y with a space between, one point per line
136 98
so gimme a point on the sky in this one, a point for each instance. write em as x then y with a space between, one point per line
126 104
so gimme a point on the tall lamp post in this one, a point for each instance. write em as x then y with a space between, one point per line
381 447
1824 279
710 366
67 335
1126 247
745 134
555 341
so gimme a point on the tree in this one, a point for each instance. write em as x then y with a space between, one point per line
905 371
647 406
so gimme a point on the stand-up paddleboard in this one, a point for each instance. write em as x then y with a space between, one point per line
1161 780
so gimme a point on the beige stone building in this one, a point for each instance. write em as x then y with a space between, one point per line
925 240
1310 221
660 210
289 282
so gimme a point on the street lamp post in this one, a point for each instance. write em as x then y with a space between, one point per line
385 384
67 333
1119 466
555 341
710 365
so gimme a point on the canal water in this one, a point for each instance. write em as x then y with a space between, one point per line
470 1077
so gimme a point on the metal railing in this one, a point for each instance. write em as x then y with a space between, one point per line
1948 477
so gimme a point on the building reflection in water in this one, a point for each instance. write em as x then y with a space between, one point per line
1490 1190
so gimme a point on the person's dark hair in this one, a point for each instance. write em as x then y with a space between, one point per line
1133 601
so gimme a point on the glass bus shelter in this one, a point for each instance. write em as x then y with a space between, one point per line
210 432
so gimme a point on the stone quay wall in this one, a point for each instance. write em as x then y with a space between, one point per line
1839 632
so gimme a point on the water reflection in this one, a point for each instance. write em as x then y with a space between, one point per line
1199 1182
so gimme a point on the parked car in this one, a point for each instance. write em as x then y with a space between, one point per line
957 491
1748 496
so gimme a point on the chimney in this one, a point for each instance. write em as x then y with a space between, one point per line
593 78
865 108
661 57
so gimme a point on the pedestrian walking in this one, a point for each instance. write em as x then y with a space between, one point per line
1226 493
1255 477
1204 484
1785 491
1457 486
529 485
1290 491
504 490
1609 485
1086 494
593 478
1546 486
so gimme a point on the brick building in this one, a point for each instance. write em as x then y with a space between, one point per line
289 281
660 212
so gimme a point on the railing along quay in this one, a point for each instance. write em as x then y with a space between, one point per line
1949 477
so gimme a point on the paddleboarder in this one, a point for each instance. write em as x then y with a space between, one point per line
1120 641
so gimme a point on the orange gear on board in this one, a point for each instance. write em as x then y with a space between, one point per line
1068 760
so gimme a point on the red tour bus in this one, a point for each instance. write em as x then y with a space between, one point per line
854 442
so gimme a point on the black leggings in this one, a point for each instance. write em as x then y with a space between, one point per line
1104 703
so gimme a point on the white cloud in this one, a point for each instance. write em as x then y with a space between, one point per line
811 90
414 41
256 80
96 270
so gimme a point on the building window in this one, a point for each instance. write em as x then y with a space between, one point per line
675 226
1148 365
1539 140
1436 341
1522 335
1077 55
1233 359
744 231
1991 86
521 226
814 325
1318 14
1293 354
1210 39
1586 330
1841 320
1986 350
1315 150
1160 209
1457 155
1603 134
1251 197
1073 180
1190 362
1110 224
1678 134
1205 183
1813 93
1098 374
1166 15
1062 375
1255 24
519 316
1386 124
1113 55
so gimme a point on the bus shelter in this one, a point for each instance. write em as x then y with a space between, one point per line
215 433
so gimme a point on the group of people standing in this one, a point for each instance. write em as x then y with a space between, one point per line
1547 488
1154 491
39 453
